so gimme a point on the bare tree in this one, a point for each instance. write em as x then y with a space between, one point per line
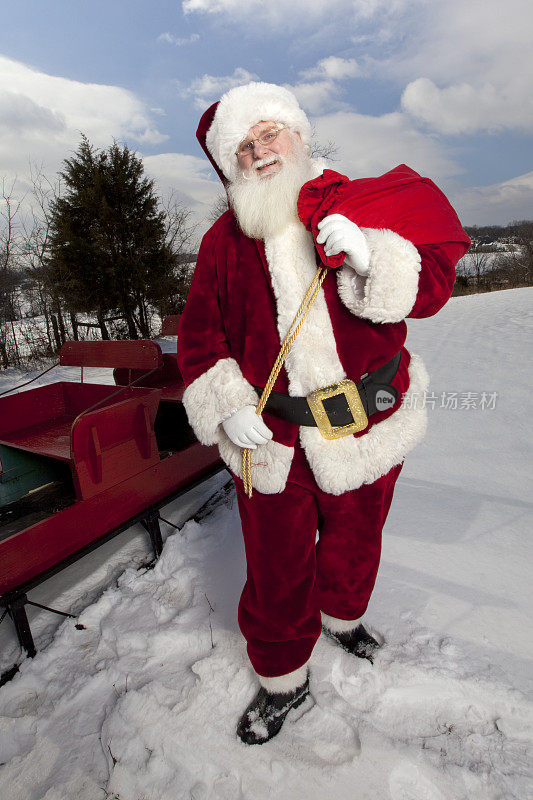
36 229
181 241
523 257
328 150
10 272
477 263
219 206
180 228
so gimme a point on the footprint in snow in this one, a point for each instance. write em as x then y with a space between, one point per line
408 782
226 787
324 736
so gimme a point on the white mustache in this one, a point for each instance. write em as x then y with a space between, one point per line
264 161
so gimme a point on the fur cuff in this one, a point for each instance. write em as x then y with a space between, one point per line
283 684
271 463
214 396
339 625
389 291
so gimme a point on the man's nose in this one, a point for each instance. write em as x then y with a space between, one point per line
260 150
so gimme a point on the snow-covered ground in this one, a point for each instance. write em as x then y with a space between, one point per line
142 703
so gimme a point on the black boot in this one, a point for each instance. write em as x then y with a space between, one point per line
266 714
358 642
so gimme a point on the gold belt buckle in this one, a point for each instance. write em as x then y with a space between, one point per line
316 404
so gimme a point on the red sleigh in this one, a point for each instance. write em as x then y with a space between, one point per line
81 462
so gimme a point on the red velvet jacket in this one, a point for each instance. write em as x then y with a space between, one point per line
243 291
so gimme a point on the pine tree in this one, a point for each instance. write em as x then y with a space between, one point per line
108 253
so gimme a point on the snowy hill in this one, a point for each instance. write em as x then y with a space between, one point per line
142 704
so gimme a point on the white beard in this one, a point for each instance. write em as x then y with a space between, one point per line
264 206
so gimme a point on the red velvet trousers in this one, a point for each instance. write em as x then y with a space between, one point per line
290 579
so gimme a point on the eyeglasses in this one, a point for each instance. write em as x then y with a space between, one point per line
267 138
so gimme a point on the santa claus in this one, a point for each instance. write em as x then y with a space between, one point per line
347 405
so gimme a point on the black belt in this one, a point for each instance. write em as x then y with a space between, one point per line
374 389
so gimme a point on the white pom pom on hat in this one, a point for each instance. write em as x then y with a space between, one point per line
243 107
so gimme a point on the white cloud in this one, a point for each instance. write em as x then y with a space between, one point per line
497 204
192 180
465 67
451 41
20 114
322 95
190 176
299 13
333 68
465 108
209 88
213 6
468 67
274 12
367 145
317 97
372 145
42 116
169 38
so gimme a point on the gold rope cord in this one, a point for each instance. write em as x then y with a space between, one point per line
292 333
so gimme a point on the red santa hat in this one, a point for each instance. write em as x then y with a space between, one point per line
243 107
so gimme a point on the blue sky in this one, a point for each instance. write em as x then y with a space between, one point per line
444 86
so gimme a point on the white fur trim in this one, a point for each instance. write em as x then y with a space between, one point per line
338 465
312 360
283 684
214 396
211 399
388 293
344 464
271 463
339 625
243 107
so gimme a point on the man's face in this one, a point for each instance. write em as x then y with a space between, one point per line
264 158
269 177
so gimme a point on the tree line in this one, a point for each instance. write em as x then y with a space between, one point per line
501 257
93 252
495 233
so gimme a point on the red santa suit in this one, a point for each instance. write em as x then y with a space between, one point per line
242 300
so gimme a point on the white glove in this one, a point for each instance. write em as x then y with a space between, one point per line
338 233
245 428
